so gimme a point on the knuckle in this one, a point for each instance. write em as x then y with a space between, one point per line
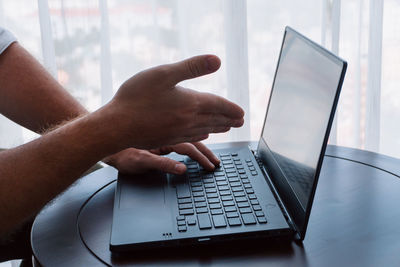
165 165
193 68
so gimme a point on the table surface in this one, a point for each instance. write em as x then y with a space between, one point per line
354 222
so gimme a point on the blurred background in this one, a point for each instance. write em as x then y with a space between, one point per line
92 46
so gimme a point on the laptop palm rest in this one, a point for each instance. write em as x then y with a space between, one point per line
143 207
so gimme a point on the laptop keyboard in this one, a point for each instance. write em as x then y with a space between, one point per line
220 199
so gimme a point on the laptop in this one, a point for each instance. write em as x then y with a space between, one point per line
252 194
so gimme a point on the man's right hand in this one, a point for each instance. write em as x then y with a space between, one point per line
151 111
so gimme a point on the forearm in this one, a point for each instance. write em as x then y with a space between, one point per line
30 96
34 173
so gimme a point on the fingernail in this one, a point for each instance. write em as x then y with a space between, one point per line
213 63
212 166
180 168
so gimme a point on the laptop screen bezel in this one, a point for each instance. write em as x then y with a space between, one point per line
297 213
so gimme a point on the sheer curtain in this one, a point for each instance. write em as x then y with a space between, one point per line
92 46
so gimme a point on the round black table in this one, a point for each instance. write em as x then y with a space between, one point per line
354 222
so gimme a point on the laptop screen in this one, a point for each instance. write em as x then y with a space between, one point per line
299 112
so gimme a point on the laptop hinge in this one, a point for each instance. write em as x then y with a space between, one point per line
274 191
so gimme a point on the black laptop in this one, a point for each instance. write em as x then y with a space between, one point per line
264 193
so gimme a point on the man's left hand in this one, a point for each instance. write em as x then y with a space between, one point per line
134 160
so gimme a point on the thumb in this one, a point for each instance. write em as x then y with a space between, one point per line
168 165
193 67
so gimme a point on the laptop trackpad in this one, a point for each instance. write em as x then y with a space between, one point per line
142 191
143 205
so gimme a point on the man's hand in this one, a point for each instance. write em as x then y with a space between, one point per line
133 160
150 110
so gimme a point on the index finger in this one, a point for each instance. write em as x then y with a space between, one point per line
210 103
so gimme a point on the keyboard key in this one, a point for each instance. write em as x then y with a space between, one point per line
250 164
213 200
219 183
207 181
247 186
180 218
211 190
234 154
246 181
223 187
230 175
201 210
198 194
254 202
248 218
260 214
254 173
185 200
252 168
180 223
244 210
216 211
220 178
262 219
228 203
239 167
197 188
227 161
232 214
196 184
209 185
191 222
252 196
237 189
219 174
186 212
236 184
230 170
185 206
234 179
249 191
241 171
192 166
219 221
200 204
182 191
239 194
229 166
242 176
243 204
212 195
225 192
204 221
230 208
224 198
215 206
218 168
234 221
241 199
257 207
199 199
182 228
248 160
224 155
